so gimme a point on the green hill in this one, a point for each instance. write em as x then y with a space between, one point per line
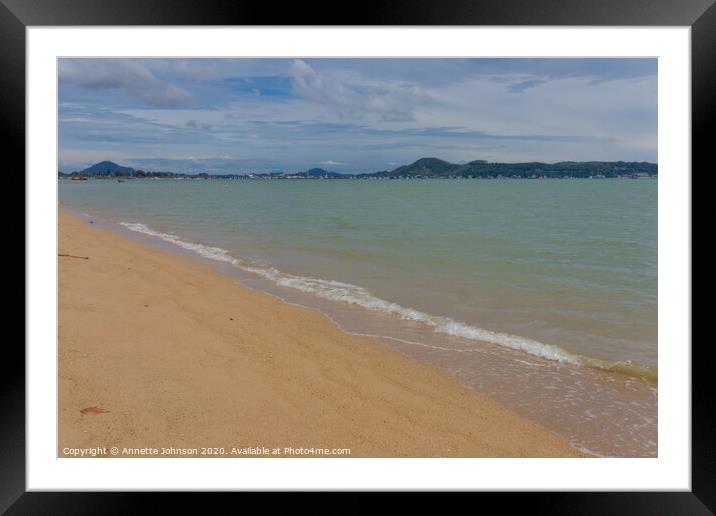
433 167
108 168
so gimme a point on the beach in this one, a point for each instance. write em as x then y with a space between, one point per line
160 351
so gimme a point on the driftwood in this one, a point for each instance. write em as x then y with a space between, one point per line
73 256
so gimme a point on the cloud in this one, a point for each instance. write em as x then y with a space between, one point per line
353 100
216 165
363 113
128 75
194 69
519 87
520 75
193 124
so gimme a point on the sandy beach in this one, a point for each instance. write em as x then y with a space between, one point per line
157 350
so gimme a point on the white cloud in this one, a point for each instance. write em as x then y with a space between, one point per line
354 101
128 75
361 113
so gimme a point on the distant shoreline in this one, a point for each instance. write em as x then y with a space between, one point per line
424 168
266 177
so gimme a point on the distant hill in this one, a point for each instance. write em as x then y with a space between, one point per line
433 167
107 168
319 172
426 166
422 168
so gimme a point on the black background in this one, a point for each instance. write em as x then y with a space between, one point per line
16 15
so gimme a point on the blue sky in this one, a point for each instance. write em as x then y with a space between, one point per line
352 115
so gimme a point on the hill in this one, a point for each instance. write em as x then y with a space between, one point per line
108 168
426 167
422 168
319 172
433 167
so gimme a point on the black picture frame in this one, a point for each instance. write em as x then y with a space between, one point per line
17 15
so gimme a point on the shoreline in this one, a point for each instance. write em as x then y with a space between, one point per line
302 284
162 351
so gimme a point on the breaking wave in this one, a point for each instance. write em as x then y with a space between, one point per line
359 296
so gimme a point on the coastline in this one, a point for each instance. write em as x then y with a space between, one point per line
158 350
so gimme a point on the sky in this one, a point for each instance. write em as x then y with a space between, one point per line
352 115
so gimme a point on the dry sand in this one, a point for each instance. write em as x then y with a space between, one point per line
158 350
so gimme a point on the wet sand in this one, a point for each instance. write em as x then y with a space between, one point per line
160 351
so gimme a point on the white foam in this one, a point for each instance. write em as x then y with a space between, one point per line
359 296
212 253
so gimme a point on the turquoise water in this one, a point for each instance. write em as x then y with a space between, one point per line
572 263
559 273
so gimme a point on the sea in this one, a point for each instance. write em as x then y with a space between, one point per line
541 294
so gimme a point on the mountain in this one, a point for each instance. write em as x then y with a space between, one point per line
422 168
108 168
433 167
319 172
426 167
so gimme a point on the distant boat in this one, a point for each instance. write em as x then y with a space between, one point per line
120 180
79 178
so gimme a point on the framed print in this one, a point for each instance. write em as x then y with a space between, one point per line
425 248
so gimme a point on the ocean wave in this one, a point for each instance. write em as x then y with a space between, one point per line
355 295
212 253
